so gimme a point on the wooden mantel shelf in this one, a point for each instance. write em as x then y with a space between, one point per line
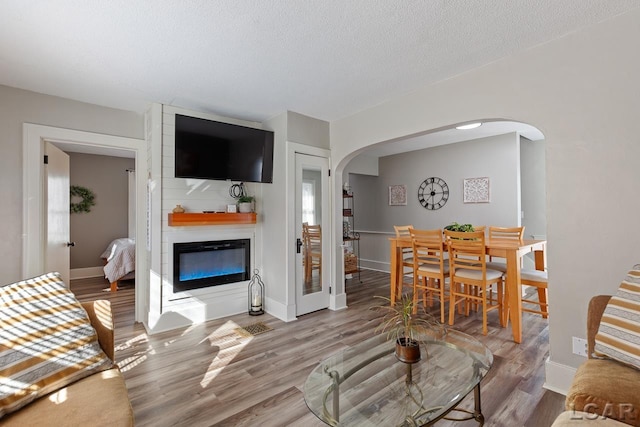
194 218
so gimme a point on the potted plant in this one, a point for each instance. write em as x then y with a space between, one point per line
454 226
406 326
245 204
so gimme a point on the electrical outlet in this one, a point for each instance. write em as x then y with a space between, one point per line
580 346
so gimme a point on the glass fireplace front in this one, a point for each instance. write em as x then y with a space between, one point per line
203 264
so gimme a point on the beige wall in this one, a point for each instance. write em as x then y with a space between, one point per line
278 230
107 178
18 107
583 93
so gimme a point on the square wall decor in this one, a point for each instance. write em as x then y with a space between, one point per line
397 195
476 190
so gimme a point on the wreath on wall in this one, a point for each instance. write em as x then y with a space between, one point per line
87 201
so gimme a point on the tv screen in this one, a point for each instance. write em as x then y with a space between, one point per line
207 149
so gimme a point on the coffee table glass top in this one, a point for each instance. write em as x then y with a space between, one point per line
366 385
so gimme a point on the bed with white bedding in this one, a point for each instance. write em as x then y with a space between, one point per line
120 261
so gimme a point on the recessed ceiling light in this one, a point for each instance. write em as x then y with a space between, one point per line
469 126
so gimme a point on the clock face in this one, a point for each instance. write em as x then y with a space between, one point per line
433 193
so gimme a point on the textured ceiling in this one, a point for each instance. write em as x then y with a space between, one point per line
254 59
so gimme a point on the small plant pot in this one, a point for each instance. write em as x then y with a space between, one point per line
407 350
245 207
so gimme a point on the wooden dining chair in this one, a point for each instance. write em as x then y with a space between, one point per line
305 249
312 235
429 268
407 253
470 280
503 233
509 233
539 280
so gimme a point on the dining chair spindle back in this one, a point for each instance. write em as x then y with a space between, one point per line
470 280
429 268
503 233
404 231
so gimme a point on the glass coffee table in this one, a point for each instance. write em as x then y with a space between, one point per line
366 385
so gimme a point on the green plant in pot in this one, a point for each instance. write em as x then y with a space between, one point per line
454 226
404 323
245 204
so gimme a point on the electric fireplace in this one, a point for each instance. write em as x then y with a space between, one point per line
203 264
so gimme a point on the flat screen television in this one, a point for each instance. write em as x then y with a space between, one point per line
207 149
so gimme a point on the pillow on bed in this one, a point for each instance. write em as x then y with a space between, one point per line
618 335
46 341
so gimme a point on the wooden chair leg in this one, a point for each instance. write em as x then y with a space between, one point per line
469 290
542 297
505 307
452 303
500 302
441 284
485 330
426 292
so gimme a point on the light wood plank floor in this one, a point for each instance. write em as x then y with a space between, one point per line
208 375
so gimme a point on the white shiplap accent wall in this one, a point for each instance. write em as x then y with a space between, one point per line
195 195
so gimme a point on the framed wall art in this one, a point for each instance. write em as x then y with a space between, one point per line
397 195
476 190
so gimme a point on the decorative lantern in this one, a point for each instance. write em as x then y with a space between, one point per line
256 294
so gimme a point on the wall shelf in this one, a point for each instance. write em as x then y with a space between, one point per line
222 218
350 238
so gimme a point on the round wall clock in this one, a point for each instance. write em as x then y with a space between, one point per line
433 193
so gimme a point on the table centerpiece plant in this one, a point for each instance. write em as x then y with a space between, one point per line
454 226
407 325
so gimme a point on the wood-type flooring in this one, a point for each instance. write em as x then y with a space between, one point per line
207 375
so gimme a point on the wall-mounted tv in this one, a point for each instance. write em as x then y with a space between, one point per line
206 149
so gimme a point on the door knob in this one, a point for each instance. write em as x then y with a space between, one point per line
71 244
298 245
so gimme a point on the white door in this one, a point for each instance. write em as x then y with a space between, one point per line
132 203
312 254
57 200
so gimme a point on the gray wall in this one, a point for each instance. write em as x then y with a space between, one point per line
18 107
278 278
107 178
496 158
368 200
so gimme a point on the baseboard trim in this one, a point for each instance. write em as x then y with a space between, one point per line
281 311
375 265
338 302
87 272
558 377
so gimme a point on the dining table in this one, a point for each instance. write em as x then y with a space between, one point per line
510 249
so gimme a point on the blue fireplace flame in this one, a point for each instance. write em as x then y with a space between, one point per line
211 263
207 264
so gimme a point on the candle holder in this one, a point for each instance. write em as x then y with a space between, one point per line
256 295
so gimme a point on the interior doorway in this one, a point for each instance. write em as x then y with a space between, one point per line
312 230
34 208
56 185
